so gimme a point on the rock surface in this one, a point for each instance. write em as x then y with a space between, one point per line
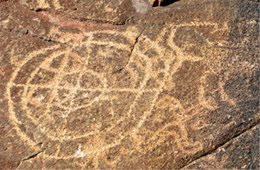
96 84
241 152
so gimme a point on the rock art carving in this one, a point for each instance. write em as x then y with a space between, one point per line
125 90
74 93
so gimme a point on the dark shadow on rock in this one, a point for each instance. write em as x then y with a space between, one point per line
164 2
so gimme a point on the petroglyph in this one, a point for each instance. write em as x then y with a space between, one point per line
122 85
103 81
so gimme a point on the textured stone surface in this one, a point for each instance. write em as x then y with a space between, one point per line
128 86
99 10
241 152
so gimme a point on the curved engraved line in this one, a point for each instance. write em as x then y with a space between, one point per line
75 89
26 88
179 52
180 58
14 121
11 110
55 83
182 144
49 132
37 123
32 75
148 113
53 137
224 96
106 90
160 89
142 86
205 103
199 24
140 91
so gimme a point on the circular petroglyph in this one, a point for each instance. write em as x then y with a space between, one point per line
97 91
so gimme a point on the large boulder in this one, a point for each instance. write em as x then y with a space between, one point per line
102 84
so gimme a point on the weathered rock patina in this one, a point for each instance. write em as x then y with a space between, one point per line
96 84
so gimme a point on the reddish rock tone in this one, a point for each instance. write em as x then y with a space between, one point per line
102 84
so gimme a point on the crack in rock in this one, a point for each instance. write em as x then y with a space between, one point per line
30 157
